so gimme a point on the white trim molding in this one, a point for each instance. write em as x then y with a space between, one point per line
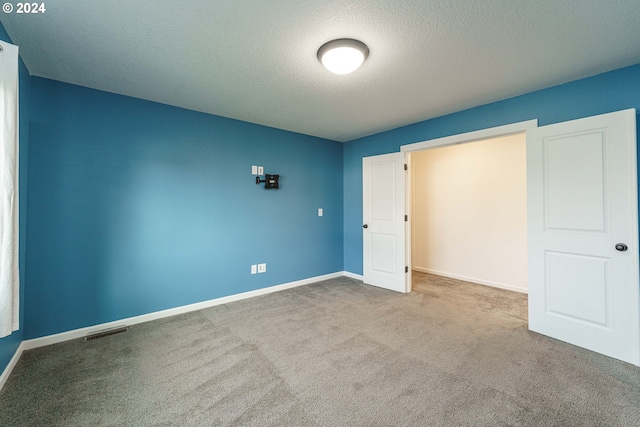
353 275
476 135
82 332
474 280
12 364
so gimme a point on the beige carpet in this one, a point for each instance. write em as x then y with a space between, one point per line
335 353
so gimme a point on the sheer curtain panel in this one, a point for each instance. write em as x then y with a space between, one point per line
9 274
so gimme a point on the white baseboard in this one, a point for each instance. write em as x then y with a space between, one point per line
79 333
12 364
473 280
352 275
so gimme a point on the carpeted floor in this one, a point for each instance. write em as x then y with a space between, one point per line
335 353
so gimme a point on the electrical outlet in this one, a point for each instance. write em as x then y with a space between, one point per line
254 269
254 170
262 268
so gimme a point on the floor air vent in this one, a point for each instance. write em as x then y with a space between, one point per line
106 333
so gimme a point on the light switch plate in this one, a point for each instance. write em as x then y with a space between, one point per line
260 170
254 269
254 170
320 212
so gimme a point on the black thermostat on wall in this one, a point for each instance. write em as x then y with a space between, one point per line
270 181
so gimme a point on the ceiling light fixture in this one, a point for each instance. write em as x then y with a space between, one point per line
343 56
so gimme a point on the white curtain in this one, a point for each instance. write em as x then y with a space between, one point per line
9 273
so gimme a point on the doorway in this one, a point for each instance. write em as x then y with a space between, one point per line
469 212
410 150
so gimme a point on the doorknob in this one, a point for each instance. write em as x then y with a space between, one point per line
365 226
621 247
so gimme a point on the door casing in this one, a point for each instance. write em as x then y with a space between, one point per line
479 135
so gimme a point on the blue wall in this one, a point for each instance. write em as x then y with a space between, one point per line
9 345
616 90
136 207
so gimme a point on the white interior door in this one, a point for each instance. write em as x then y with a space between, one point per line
582 204
383 230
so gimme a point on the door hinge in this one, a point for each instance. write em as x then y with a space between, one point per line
406 218
406 269
406 167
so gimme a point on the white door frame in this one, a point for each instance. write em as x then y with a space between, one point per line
478 135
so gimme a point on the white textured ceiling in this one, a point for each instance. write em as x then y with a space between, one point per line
255 60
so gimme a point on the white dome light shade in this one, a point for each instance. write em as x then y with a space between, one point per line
343 56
